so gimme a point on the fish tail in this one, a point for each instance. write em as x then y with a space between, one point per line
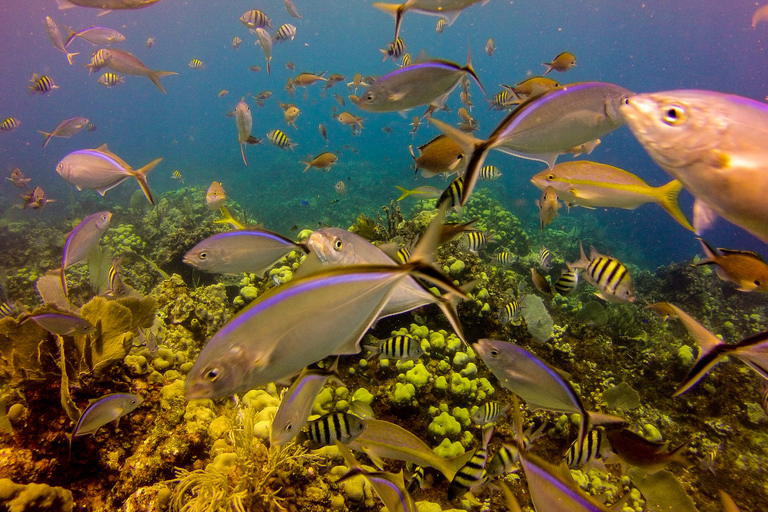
386 54
71 34
549 67
404 192
70 55
47 137
476 148
583 261
64 4
668 199
141 177
242 152
469 69
155 76
710 251
308 164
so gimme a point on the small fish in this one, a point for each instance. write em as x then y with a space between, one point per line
41 84
124 62
196 64
636 450
36 199
323 161
290 115
97 36
510 313
490 173
587 148
473 241
561 63
744 268
227 218
548 206
223 93
101 170
91 127
502 100
386 129
471 475
307 79
106 409
323 131
290 65
438 156
545 259
401 348
81 240
340 188
263 95
7 309
286 32
110 79
533 86
441 24
281 140
254 19
490 47
353 121
236 42
215 196
56 38
356 82
244 123
504 258
415 124
255 68
335 426
403 255
150 42
265 40
395 49
62 324
594 447
117 287
540 282
422 192
10 123
18 179
607 274
489 412
414 483
407 61
66 129
452 195
567 282
99 59
177 176
504 461
291 9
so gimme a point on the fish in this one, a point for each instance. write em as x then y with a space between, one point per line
427 81
473 241
104 410
116 286
503 462
540 282
716 156
251 251
196 64
66 129
545 259
290 115
545 126
332 427
215 196
395 49
385 440
254 19
91 127
760 15
596 185
448 10
244 122
414 483
750 350
472 475
97 36
124 62
451 196
548 206
323 131
61 324
223 93
265 40
587 148
567 282
441 24
323 161
403 255
226 218
438 156
490 173
101 170
36 199
107 5
490 47
401 348
562 63
99 60
356 82
594 447
177 176
150 42
255 68
284 33
41 84
7 309
407 60
236 42
281 140
81 240
351 120
423 192
263 95
536 382
504 258
607 274
510 313
746 269
307 79
290 8
533 86
296 404
489 413
502 100
650 456
18 179
10 123
340 188
56 38
111 79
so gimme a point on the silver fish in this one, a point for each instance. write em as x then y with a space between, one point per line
81 240
265 40
425 82
715 144
106 409
536 382
97 36
253 251
56 38
66 129
124 62
62 324
108 5
545 126
291 9
101 170
244 121
448 10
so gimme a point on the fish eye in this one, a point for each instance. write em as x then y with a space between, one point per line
494 353
370 97
551 177
625 100
203 255
674 116
288 427
213 374
338 244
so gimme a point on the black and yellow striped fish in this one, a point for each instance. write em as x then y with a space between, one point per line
489 413
99 59
510 313
196 64
6 309
504 461
414 483
501 100
177 176
279 139
402 347
545 258
594 447
473 241
471 474
607 274
41 84
567 283
395 49
406 60
452 194
285 32
504 258
490 173
116 286
254 19
403 255
110 79
326 430
9 123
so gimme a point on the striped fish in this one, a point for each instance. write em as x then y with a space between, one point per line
9 123
91 127
281 140
502 100
236 42
510 313
594 447
326 430
6 309
177 176
567 283
470 475
406 60
196 64
414 483
99 59
110 80
607 274
254 19
504 258
490 173
473 241
284 33
116 286
504 461
395 49
545 259
441 24
400 347
41 84
403 255
489 413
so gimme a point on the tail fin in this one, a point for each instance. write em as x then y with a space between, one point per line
469 69
155 76
69 57
404 192
141 177
226 218
583 261
710 251
476 148
396 11
668 199
47 137
242 152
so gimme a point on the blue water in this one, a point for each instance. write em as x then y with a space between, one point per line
644 47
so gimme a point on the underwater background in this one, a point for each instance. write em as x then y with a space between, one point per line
642 46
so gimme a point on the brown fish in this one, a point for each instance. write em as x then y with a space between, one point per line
307 79
216 196
561 63
744 268
636 450
323 161
440 155
540 282
548 206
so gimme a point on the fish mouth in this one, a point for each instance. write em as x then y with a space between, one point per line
639 112
318 248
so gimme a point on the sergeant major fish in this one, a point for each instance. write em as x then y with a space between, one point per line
607 274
